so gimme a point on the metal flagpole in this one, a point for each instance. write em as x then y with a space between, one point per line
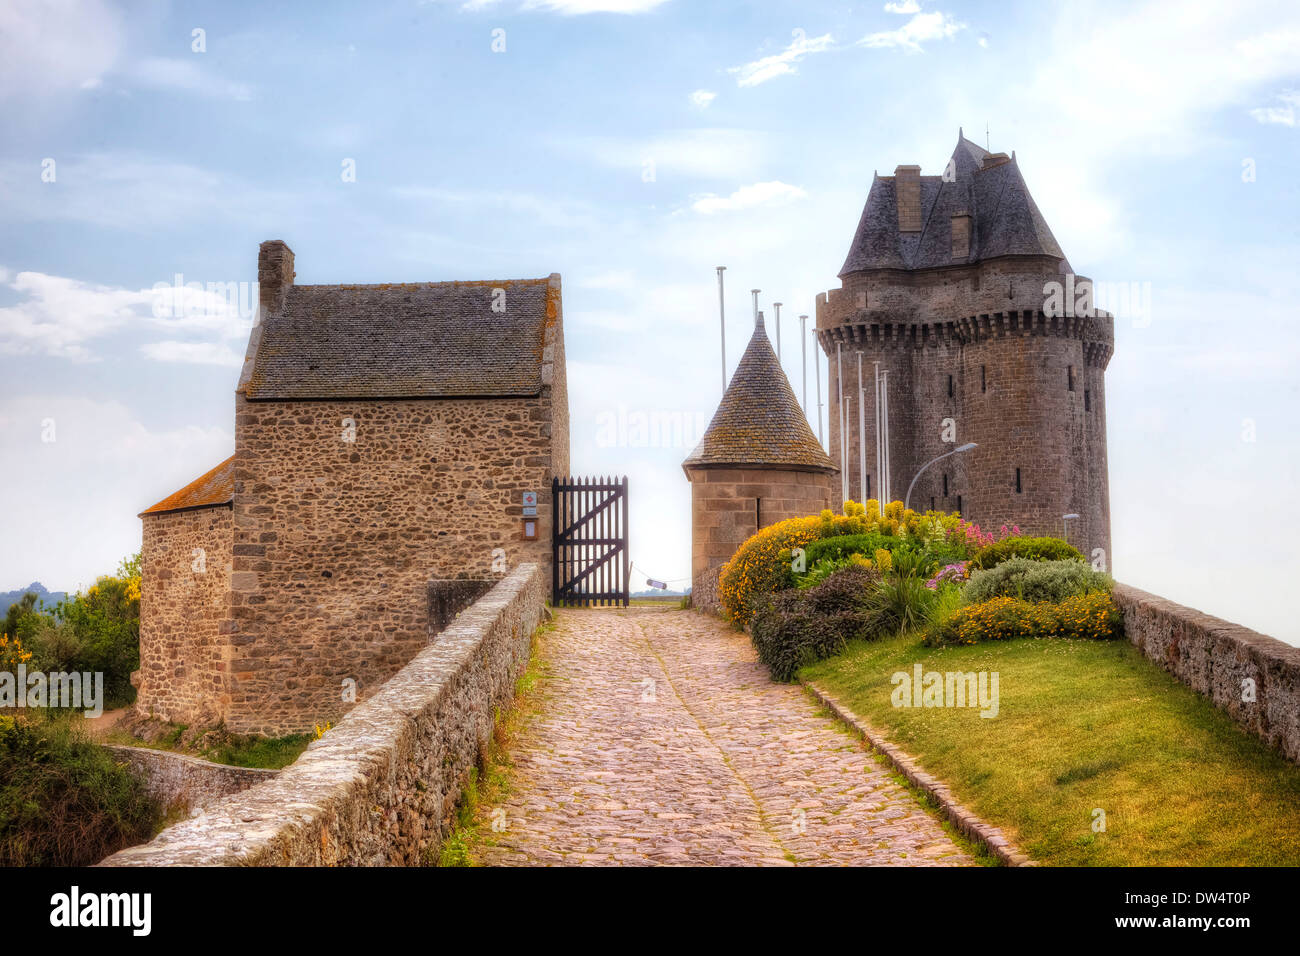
839 387
776 307
722 319
862 434
817 367
884 391
880 461
803 358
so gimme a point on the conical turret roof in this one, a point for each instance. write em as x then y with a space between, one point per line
759 421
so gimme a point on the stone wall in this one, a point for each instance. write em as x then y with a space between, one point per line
380 787
704 591
186 562
972 344
335 540
173 778
728 505
1214 657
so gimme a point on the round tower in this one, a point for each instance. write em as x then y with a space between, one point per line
758 462
955 287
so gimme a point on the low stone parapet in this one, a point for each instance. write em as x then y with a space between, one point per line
178 779
1252 677
380 787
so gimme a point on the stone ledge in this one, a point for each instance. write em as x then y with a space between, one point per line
173 778
1213 657
962 818
379 788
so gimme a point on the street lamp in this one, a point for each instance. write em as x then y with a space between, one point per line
1065 528
966 447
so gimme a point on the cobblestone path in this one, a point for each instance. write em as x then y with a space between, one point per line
661 740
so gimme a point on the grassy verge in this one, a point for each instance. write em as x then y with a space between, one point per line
219 745
1084 726
489 783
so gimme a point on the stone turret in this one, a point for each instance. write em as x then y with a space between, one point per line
758 463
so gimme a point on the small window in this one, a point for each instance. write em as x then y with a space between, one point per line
758 512
959 504
1018 488
945 485
950 386
1070 379
932 508
868 486
1087 400
984 381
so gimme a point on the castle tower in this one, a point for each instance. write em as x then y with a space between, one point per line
956 287
758 462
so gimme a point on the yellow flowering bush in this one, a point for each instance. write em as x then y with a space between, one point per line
12 653
763 564
1092 616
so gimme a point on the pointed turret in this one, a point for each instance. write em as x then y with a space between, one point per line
758 463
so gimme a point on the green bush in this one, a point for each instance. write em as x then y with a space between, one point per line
1035 581
793 628
65 801
900 603
1092 616
1035 549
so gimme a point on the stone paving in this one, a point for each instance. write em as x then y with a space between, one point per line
661 740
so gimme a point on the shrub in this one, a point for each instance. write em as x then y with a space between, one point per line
1035 549
794 628
762 565
1091 616
65 801
902 602
1036 580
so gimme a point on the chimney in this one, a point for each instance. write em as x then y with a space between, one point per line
961 235
274 276
907 193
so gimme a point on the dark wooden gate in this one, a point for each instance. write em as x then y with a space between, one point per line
589 543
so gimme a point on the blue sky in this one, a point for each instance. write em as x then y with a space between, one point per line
632 146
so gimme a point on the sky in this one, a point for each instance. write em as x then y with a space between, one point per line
632 146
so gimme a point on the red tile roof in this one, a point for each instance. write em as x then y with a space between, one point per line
216 487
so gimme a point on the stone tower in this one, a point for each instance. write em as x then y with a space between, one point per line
758 463
955 286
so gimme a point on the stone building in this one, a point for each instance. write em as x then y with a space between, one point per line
758 463
384 437
948 288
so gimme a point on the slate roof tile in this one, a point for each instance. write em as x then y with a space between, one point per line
759 421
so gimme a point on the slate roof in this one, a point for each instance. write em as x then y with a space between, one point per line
216 487
416 340
1004 218
759 421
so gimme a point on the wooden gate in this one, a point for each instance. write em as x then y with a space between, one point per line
589 543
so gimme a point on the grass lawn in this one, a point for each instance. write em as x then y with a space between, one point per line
1085 725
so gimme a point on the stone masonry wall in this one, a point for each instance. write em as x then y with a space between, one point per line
1214 657
183 654
173 778
335 540
380 787
1010 367
729 504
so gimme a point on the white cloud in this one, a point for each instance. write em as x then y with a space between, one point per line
701 99
907 6
102 469
922 28
712 152
163 73
573 7
567 7
747 197
48 48
61 317
195 353
1279 115
783 63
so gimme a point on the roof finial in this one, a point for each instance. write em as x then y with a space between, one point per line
960 133
987 147
758 322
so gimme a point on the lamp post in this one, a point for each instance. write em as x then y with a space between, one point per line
966 447
776 307
1065 527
